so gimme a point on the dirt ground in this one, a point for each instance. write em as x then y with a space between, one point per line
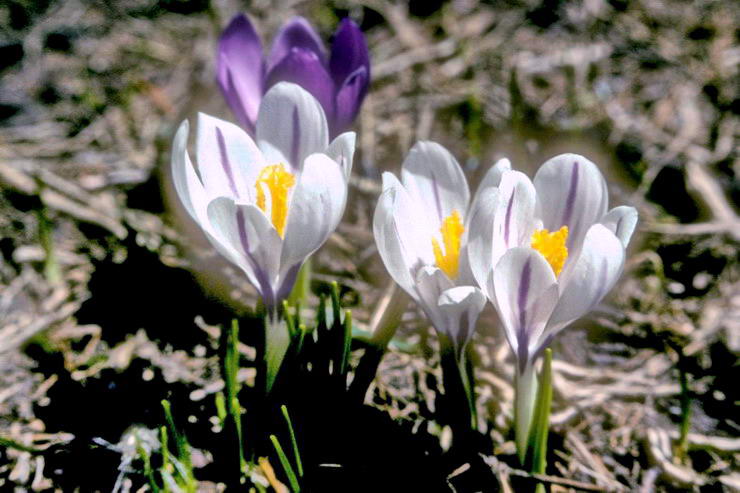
110 300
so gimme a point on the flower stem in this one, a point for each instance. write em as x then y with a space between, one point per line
541 421
46 237
525 392
277 341
457 390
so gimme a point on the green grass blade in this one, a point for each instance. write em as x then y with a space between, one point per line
293 441
347 342
286 465
221 411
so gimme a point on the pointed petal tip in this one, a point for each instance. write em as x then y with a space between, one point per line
296 32
183 127
304 68
349 51
238 21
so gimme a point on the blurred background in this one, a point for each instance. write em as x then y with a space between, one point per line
110 299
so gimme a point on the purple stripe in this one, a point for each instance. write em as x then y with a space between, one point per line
225 163
295 145
570 202
241 227
522 335
437 200
507 222
524 293
268 296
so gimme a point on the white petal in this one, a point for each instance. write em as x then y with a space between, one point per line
621 221
228 159
292 122
246 231
526 293
571 192
187 184
389 245
492 178
480 237
435 181
316 207
342 150
431 282
514 221
403 227
594 273
461 307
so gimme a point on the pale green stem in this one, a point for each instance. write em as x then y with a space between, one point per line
525 390
277 341
541 422
52 271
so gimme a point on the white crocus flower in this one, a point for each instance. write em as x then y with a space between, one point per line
546 252
419 226
266 205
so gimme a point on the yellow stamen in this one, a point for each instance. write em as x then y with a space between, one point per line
278 182
552 247
452 230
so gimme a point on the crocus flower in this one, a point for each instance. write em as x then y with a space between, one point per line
269 203
546 252
419 227
338 80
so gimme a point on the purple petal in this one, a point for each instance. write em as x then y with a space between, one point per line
349 98
296 33
304 68
348 52
240 69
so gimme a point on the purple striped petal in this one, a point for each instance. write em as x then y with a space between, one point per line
348 100
228 159
240 70
304 68
291 125
592 276
296 33
526 293
435 181
572 192
348 53
514 219
246 230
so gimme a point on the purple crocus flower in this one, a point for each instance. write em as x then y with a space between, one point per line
338 80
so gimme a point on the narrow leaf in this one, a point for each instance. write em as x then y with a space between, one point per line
286 464
294 442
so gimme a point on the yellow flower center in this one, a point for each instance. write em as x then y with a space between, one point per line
278 182
552 247
452 230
